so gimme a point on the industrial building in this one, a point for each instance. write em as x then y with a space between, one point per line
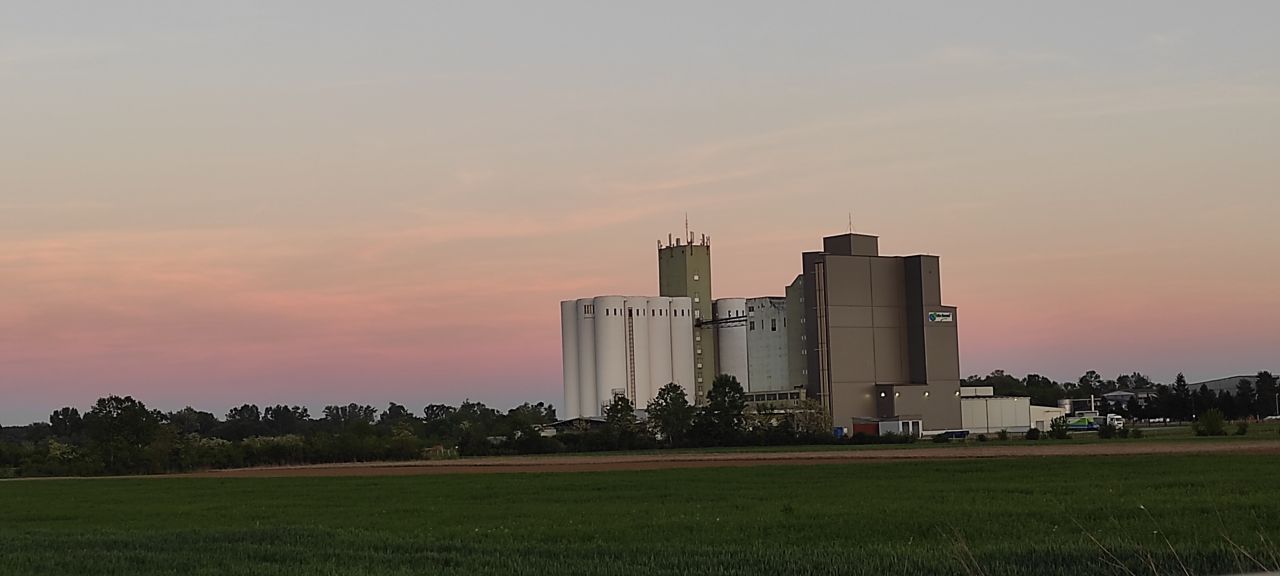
984 413
624 345
684 271
878 343
866 335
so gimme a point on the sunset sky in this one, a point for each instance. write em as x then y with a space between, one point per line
313 202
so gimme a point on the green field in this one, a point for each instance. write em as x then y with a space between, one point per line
1016 516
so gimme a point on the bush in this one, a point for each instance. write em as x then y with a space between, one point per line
1135 433
1211 423
1123 432
1003 435
941 439
1107 430
1059 429
1033 434
1242 428
982 437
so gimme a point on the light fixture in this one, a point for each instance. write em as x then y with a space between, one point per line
897 394
926 393
957 393
882 394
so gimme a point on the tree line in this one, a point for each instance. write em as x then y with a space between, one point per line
121 435
1171 402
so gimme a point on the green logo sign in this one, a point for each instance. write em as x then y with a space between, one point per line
942 317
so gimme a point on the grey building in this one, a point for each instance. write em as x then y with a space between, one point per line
767 344
878 344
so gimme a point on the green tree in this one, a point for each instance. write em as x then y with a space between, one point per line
281 420
1134 408
620 422
1268 392
1043 391
1203 400
191 421
350 416
396 414
1211 423
1246 399
242 422
1059 428
1182 401
119 432
671 415
66 422
721 422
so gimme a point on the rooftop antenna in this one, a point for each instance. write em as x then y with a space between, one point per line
686 228
851 222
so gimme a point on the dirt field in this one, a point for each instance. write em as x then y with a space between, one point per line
606 462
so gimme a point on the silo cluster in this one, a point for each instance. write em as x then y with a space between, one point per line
624 345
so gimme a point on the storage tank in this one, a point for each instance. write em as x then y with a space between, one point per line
611 349
638 351
659 347
588 405
569 357
682 356
731 338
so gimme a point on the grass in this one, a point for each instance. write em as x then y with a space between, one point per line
1098 515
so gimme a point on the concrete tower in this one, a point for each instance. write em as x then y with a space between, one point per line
684 270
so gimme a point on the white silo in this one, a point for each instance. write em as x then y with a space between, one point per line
638 351
731 338
659 347
569 356
611 349
682 346
585 311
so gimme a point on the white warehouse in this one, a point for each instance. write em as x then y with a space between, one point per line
624 345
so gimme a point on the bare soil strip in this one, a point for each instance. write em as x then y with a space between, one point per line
611 462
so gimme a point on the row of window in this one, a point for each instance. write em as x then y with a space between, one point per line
773 324
635 312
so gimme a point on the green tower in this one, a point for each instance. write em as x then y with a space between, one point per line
684 270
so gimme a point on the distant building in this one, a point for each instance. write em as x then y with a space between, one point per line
624 346
866 335
684 271
1225 384
879 343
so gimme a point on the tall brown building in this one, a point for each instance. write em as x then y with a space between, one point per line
684 270
878 346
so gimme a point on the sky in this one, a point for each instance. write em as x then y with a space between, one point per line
218 203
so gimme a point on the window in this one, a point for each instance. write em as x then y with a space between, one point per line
699 365
696 278
752 325
773 324
751 308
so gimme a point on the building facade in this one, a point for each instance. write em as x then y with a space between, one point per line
684 271
877 342
624 346
767 353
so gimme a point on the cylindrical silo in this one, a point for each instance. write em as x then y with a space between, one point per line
611 349
731 338
569 355
682 346
588 404
659 347
638 351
